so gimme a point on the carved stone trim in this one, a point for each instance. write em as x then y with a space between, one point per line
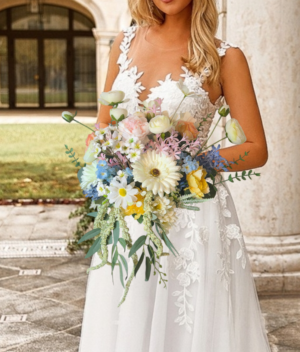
29 249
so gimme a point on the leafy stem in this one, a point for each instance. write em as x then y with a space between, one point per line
83 125
72 156
238 177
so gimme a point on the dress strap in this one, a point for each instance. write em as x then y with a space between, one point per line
224 46
129 34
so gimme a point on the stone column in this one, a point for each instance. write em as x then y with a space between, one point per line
104 40
269 206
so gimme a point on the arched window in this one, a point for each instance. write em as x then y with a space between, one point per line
47 59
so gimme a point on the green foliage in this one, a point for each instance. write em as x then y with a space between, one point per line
242 176
83 224
72 156
139 263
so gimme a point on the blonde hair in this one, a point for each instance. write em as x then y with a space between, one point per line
203 56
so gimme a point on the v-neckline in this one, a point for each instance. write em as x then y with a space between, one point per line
138 73
141 73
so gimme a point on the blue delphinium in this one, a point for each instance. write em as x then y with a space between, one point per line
213 160
92 192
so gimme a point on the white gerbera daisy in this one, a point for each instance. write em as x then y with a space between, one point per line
122 194
157 172
89 175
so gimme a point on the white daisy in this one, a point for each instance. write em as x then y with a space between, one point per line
107 144
157 172
101 188
138 146
101 133
89 175
134 155
121 174
122 194
124 149
118 146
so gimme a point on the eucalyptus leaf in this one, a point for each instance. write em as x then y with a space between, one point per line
148 269
94 248
139 263
137 244
124 263
151 253
115 258
110 239
121 274
93 214
123 243
116 232
89 235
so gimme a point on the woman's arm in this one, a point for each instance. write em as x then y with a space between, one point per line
112 72
240 96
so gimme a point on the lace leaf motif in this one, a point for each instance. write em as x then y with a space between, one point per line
190 269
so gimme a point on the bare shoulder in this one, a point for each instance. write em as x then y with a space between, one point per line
234 64
115 48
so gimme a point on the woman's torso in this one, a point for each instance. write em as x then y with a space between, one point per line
148 72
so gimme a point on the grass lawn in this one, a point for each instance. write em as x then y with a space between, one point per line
33 163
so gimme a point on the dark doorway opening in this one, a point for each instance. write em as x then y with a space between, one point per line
47 60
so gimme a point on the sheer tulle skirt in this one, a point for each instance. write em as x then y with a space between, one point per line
209 303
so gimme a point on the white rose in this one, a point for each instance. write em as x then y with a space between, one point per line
234 132
160 124
112 97
148 104
117 113
89 155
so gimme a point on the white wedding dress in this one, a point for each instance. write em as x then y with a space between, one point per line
210 303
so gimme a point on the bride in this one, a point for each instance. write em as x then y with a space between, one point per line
210 302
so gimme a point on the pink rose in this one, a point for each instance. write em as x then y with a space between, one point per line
188 129
134 126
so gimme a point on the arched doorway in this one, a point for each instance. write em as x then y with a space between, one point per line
47 59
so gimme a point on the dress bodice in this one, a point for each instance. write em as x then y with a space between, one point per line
200 107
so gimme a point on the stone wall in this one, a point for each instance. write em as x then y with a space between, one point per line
268 207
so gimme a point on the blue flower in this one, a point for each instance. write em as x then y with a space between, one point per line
103 173
183 182
92 193
102 163
189 165
213 160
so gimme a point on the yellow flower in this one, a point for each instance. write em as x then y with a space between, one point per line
197 183
136 208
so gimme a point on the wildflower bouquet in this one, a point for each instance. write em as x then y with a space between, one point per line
146 165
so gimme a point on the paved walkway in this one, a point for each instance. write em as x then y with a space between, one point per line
42 299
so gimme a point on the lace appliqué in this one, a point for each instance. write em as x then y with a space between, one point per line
128 77
190 270
224 46
228 233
